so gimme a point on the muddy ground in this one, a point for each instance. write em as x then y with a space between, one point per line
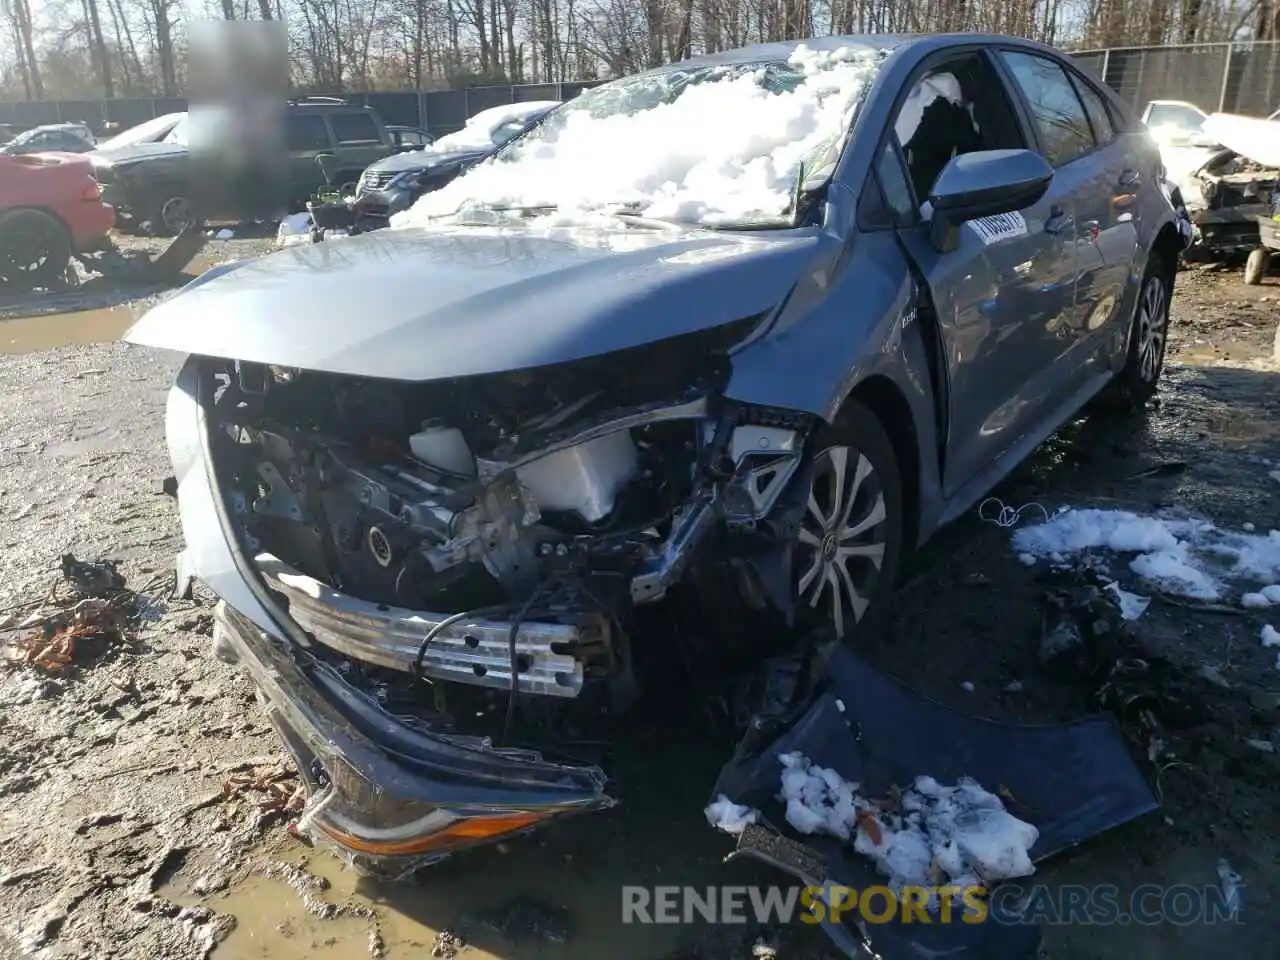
140 795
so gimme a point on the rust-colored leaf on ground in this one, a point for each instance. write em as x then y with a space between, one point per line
869 825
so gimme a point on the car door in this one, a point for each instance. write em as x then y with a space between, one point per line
1085 186
306 136
1000 294
359 141
1110 247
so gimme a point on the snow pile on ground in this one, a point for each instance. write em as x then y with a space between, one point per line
1266 597
724 814
295 228
688 147
1185 557
225 234
937 835
1132 605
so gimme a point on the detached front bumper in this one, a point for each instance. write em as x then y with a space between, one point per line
384 789
391 795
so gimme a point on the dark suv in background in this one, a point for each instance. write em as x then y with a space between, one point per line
329 133
149 183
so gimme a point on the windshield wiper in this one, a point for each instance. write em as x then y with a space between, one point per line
797 191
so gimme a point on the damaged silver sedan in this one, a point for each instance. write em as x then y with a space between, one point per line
438 474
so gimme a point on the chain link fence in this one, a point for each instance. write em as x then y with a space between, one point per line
437 111
1226 77
1229 77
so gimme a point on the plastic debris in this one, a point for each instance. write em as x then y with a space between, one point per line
1232 883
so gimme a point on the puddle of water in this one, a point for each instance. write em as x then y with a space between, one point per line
1237 428
567 880
29 334
273 921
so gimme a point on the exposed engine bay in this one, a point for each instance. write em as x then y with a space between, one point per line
500 531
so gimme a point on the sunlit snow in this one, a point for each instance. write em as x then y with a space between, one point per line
933 834
1182 556
694 146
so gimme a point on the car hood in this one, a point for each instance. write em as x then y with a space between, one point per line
136 151
1254 139
426 304
425 160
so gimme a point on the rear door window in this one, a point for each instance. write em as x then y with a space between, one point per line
1104 130
306 132
353 128
1060 117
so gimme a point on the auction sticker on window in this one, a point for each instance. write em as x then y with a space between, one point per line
1003 226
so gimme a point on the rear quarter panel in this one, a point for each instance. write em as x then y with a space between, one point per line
58 185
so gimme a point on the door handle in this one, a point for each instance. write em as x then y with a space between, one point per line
1130 178
1058 221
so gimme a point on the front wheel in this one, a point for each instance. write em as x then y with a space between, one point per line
1136 382
171 216
850 537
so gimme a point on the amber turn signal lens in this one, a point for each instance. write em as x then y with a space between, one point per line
468 830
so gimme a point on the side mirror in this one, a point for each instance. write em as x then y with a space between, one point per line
982 184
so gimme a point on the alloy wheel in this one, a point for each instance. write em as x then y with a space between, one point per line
34 249
1153 320
842 537
29 248
175 214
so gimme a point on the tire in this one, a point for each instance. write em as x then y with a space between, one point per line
842 579
35 249
1255 268
1136 382
169 215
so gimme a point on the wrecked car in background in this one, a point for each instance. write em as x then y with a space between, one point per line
438 473
1235 186
394 183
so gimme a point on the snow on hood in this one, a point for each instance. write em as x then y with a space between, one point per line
701 144
424 159
1254 139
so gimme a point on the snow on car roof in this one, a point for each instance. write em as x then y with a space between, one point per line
493 116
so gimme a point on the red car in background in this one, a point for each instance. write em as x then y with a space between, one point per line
50 209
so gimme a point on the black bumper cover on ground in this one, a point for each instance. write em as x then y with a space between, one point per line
1071 781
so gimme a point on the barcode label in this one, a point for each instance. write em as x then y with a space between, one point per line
1002 226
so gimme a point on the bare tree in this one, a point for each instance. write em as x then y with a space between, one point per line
420 44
